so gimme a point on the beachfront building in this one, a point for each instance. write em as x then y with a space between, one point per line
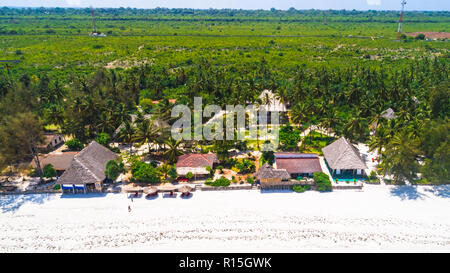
87 169
196 164
297 164
51 142
60 161
277 179
344 159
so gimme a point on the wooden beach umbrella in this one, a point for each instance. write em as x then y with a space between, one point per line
131 187
185 189
167 187
150 190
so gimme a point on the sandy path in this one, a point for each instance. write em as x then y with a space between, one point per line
380 218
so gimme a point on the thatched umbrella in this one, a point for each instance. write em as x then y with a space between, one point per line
150 190
167 187
131 188
185 189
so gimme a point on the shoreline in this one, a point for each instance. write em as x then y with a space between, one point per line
386 218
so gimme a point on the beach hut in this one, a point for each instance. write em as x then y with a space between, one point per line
87 169
60 161
343 158
268 174
298 164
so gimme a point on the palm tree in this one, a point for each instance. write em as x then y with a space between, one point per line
127 133
173 151
146 132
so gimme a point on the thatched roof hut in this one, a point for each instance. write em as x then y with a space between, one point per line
267 172
342 155
88 166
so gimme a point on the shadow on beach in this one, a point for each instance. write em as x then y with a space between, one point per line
11 203
407 193
440 191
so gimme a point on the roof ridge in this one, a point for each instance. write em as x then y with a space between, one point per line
87 169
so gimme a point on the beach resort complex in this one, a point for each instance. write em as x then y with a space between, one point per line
224 130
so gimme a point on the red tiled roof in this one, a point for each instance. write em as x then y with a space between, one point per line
197 160
299 165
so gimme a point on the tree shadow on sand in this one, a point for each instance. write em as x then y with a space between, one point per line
13 202
407 193
440 191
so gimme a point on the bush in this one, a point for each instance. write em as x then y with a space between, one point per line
300 188
250 180
210 170
49 171
74 145
268 157
245 166
189 175
114 169
221 182
57 187
145 173
103 139
323 182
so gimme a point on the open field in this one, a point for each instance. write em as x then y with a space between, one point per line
58 44
380 218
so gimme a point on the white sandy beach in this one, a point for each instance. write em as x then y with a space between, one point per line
380 218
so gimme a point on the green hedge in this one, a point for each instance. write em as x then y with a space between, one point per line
323 182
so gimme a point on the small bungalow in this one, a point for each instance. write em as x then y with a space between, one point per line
196 164
51 142
343 158
87 169
297 164
276 179
60 161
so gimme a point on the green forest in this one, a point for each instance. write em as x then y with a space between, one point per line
338 70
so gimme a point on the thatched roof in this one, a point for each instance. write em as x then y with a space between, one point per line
150 190
298 163
59 161
88 166
184 188
268 172
341 154
167 187
131 187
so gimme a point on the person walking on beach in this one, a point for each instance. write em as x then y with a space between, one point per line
129 208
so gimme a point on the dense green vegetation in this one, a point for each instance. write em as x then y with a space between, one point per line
88 86
322 182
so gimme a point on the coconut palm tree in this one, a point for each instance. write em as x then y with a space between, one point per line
146 132
127 133
173 150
